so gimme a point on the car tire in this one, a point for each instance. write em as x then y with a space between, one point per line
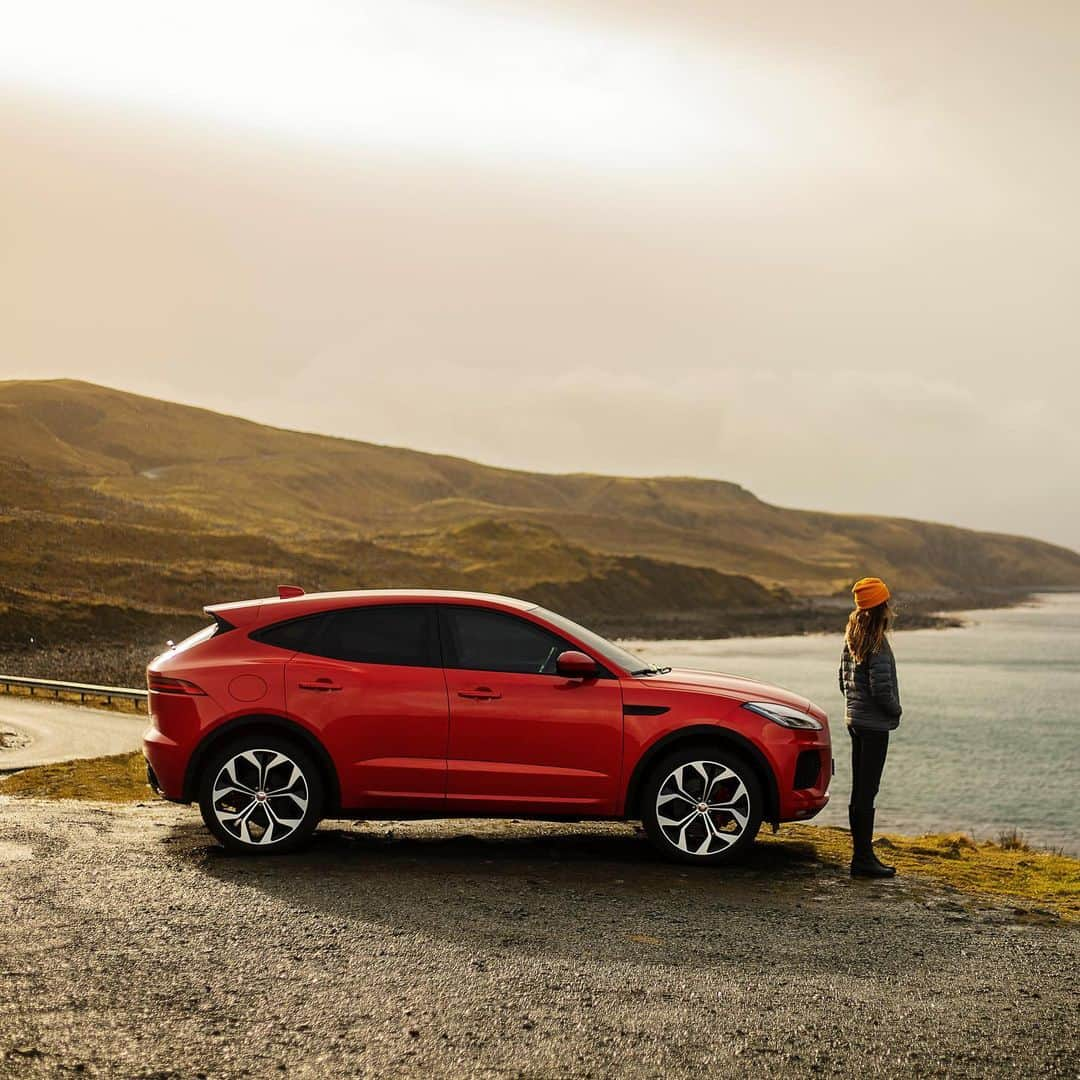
261 795
702 804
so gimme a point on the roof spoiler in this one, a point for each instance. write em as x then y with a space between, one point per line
286 591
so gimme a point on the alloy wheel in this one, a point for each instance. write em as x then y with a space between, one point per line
260 796
702 807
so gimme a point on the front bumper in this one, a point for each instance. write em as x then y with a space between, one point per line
802 806
804 776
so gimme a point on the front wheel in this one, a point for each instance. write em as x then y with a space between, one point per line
261 795
702 805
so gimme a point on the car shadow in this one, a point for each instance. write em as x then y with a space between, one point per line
524 886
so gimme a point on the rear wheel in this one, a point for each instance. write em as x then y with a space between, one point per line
703 805
261 795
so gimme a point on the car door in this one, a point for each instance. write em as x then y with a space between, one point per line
370 680
524 739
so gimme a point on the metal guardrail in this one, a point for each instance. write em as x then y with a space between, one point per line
84 690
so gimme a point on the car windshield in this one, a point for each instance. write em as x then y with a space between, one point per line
617 655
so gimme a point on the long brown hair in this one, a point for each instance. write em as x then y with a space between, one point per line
866 630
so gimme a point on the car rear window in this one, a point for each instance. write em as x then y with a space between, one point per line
205 634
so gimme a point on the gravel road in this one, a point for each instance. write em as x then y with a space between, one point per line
132 947
54 731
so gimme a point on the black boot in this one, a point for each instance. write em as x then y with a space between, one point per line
864 863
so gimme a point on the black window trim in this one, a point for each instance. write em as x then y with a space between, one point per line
448 647
327 615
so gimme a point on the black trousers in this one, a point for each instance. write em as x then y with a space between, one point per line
868 750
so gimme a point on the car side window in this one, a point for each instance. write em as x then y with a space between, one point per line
482 640
382 634
296 635
402 634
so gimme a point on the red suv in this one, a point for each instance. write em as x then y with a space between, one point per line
398 704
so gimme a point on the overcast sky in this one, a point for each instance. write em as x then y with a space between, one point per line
830 251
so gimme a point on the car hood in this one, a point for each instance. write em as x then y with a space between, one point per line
732 686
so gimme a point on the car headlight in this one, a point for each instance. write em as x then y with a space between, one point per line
783 715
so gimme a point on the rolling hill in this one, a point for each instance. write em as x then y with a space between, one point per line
123 515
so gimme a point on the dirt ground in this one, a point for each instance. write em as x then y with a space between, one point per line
133 947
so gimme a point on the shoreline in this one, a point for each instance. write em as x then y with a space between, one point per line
822 615
123 663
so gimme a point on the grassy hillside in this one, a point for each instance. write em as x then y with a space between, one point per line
119 513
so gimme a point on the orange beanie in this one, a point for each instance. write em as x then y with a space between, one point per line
869 592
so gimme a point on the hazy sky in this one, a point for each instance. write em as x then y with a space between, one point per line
830 251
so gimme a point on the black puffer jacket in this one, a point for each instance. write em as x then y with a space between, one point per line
870 690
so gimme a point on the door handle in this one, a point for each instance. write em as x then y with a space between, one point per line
480 693
324 685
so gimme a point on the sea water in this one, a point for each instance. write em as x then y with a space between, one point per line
990 737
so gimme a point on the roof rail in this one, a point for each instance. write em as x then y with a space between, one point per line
285 591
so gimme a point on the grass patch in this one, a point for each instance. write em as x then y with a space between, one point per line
1008 870
116 778
1013 840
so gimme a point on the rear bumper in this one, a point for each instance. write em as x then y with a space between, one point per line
166 762
152 780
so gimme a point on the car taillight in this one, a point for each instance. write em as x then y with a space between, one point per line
162 684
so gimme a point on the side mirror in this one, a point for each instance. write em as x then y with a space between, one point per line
575 665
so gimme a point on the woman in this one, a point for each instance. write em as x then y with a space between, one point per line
872 710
